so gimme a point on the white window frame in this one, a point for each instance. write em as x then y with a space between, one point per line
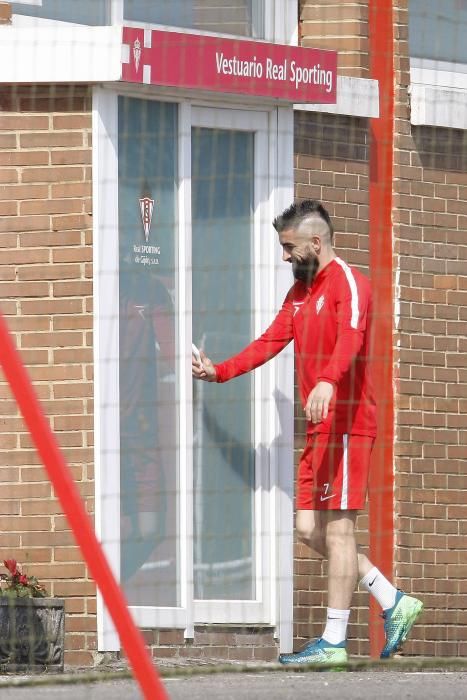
273 417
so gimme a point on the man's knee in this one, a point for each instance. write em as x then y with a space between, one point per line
309 531
340 529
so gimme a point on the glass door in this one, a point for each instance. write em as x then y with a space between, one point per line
226 178
185 470
223 303
148 372
229 175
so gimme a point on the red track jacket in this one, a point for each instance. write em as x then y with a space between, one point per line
330 324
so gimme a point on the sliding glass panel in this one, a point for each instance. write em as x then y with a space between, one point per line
224 467
147 191
236 17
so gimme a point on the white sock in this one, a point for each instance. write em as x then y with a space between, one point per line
335 631
382 589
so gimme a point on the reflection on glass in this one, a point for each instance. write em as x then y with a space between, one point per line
236 17
437 30
89 12
222 205
148 434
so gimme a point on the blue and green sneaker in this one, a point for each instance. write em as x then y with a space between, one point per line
318 653
398 621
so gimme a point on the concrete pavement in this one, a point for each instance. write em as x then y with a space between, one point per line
266 685
395 680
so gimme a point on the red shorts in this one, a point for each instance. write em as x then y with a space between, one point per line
333 472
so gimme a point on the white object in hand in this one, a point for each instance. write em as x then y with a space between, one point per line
196 353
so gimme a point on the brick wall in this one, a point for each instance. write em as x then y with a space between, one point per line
46 295
339 25
431 482
225 642
331 164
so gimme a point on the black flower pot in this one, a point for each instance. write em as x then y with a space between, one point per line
32 634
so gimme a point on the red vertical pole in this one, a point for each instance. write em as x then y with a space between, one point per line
72 504
381 508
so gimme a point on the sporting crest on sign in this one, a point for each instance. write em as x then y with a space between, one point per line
146 205
137 53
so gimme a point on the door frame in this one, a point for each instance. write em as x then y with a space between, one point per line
273 382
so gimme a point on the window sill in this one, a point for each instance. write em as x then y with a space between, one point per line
438 94
356 97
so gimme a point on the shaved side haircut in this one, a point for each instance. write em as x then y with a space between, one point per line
303 214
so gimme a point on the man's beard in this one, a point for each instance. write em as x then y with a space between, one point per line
305 270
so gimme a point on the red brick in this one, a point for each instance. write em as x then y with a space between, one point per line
51 139
23 122
51 306
51 206
49 272
59 339
33 240
72 121
72 289
23 158
72 221
24 289
55 174
71 156
75 189
24 223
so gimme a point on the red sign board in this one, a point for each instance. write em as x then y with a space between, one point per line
238 66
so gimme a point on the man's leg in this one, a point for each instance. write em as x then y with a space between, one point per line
310 530
339 528
400 611
330 533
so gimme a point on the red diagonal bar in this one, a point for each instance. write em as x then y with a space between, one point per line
83 530
381 509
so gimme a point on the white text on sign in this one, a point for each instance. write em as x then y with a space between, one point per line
297 74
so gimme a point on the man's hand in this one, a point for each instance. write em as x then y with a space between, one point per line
203 370
317 406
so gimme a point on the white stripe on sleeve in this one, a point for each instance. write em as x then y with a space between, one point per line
353 292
